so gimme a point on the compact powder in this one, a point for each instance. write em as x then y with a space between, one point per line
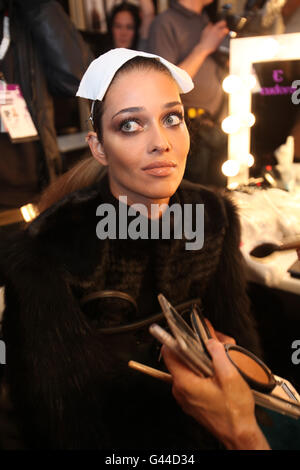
249 366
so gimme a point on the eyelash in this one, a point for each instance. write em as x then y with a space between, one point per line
179 114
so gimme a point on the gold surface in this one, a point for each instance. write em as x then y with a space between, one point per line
12 216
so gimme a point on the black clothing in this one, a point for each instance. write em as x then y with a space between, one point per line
70 383
46 54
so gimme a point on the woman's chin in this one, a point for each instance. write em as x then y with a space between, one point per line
163 192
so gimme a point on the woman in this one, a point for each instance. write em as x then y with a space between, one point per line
124 24
129 25
68 378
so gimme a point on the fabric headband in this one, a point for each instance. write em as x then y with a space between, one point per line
102 70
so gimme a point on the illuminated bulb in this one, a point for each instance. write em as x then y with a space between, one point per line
270 179
230 168
269 48
231 124
246 160
29 212
250 160
231 83
250 81
250 120
233 185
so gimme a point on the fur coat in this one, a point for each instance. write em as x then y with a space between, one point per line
70 383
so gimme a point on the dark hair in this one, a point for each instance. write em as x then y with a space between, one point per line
88 171
135 13
139 62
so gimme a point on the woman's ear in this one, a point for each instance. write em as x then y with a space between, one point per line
96 148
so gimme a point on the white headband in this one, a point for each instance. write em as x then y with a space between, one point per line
101 71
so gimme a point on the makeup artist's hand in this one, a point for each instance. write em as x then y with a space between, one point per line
223 403
218 335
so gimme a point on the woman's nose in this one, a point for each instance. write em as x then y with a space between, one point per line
159 141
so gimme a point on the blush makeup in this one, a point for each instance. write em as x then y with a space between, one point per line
254 371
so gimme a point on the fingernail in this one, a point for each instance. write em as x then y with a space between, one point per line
213 345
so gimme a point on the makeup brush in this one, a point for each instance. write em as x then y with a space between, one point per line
266 249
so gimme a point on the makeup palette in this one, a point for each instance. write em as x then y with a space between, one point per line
269 390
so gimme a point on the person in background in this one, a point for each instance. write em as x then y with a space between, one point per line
123 25
291 16
46 56
147 15
129 24
184 35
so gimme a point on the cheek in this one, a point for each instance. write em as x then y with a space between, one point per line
124 154
182 144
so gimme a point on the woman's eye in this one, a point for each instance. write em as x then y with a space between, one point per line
173 119
130 126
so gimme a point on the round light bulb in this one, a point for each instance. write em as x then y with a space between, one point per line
246 160
269 48
250 160
231 83
231 124
250 81
250 120
233 185
230 168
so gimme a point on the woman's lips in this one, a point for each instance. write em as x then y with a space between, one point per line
162 168
162 171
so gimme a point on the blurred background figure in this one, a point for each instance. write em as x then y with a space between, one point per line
258 17
129 24
46 56
123 25
184 35
291 16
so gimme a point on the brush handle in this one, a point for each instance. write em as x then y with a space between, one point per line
158 374
290 246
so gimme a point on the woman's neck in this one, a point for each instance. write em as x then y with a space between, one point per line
193 5
153 208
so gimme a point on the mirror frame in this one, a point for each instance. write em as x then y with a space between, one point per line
243 53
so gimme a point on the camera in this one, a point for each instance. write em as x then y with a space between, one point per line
234 22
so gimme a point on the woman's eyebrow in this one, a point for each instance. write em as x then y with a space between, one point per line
136 109
172 103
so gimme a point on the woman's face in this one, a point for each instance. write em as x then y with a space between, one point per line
123 29
145 139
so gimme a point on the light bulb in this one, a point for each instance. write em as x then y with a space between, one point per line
249 120
231 83
250 81
231 124
269 49
233 185
250 160
29 212
230 168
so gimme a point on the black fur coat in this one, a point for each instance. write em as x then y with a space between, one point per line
69 383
